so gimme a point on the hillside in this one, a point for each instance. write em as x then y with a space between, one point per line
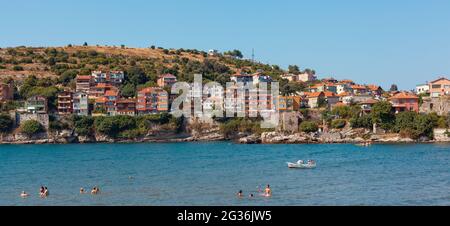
57 62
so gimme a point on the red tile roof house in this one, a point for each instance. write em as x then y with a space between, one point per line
152 100
83 83
358 89
166 80
367 105
375 90
314 99
404 101
331 98
126 107
110 104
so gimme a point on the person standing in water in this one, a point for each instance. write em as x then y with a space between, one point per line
240 194
268 191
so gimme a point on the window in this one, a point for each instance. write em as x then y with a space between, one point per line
436 86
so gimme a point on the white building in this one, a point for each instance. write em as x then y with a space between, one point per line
422 88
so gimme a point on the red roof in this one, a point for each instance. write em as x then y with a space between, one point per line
329 94
167 76
343 94
404 95
358 87
373 87
84 77
111 93
370 101
315 94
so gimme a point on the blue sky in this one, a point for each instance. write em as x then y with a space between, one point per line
383 42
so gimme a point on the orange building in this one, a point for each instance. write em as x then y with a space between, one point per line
289 103
166 80
65 103
404 101
83 83
152 100
440 87
126 106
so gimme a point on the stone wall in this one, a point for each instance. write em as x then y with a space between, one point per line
22 117
440 105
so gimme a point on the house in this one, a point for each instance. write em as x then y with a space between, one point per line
342 87
347 81
366 106
260 77
213 52
126 107
440 87
83 83
290 77
331 98
422 89
80 103
404 101
100 89
111 77
375 90
242 77
6 91
116 77
36 104
358 89
289 103
100 106
152 100
166 80
329 80
346 98
331 87
315 99
110 104
319 87
306 77
65 105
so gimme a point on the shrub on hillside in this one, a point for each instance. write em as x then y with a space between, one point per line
338 123
309 127
31 127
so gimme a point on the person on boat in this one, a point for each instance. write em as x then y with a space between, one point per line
23 194
240 194
268 191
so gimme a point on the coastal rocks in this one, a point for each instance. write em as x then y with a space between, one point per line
252 139
331 137
441 135
391 138
280 138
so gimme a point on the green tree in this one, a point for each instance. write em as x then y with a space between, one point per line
294 69
338 123
6 123
83 125
309 127
382 114
31 127
234 53
128 90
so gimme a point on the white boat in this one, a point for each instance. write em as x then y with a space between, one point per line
301 165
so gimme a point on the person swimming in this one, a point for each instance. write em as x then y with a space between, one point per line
82 191
251 196
268 191
95 191
23 194
240 194
43 192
